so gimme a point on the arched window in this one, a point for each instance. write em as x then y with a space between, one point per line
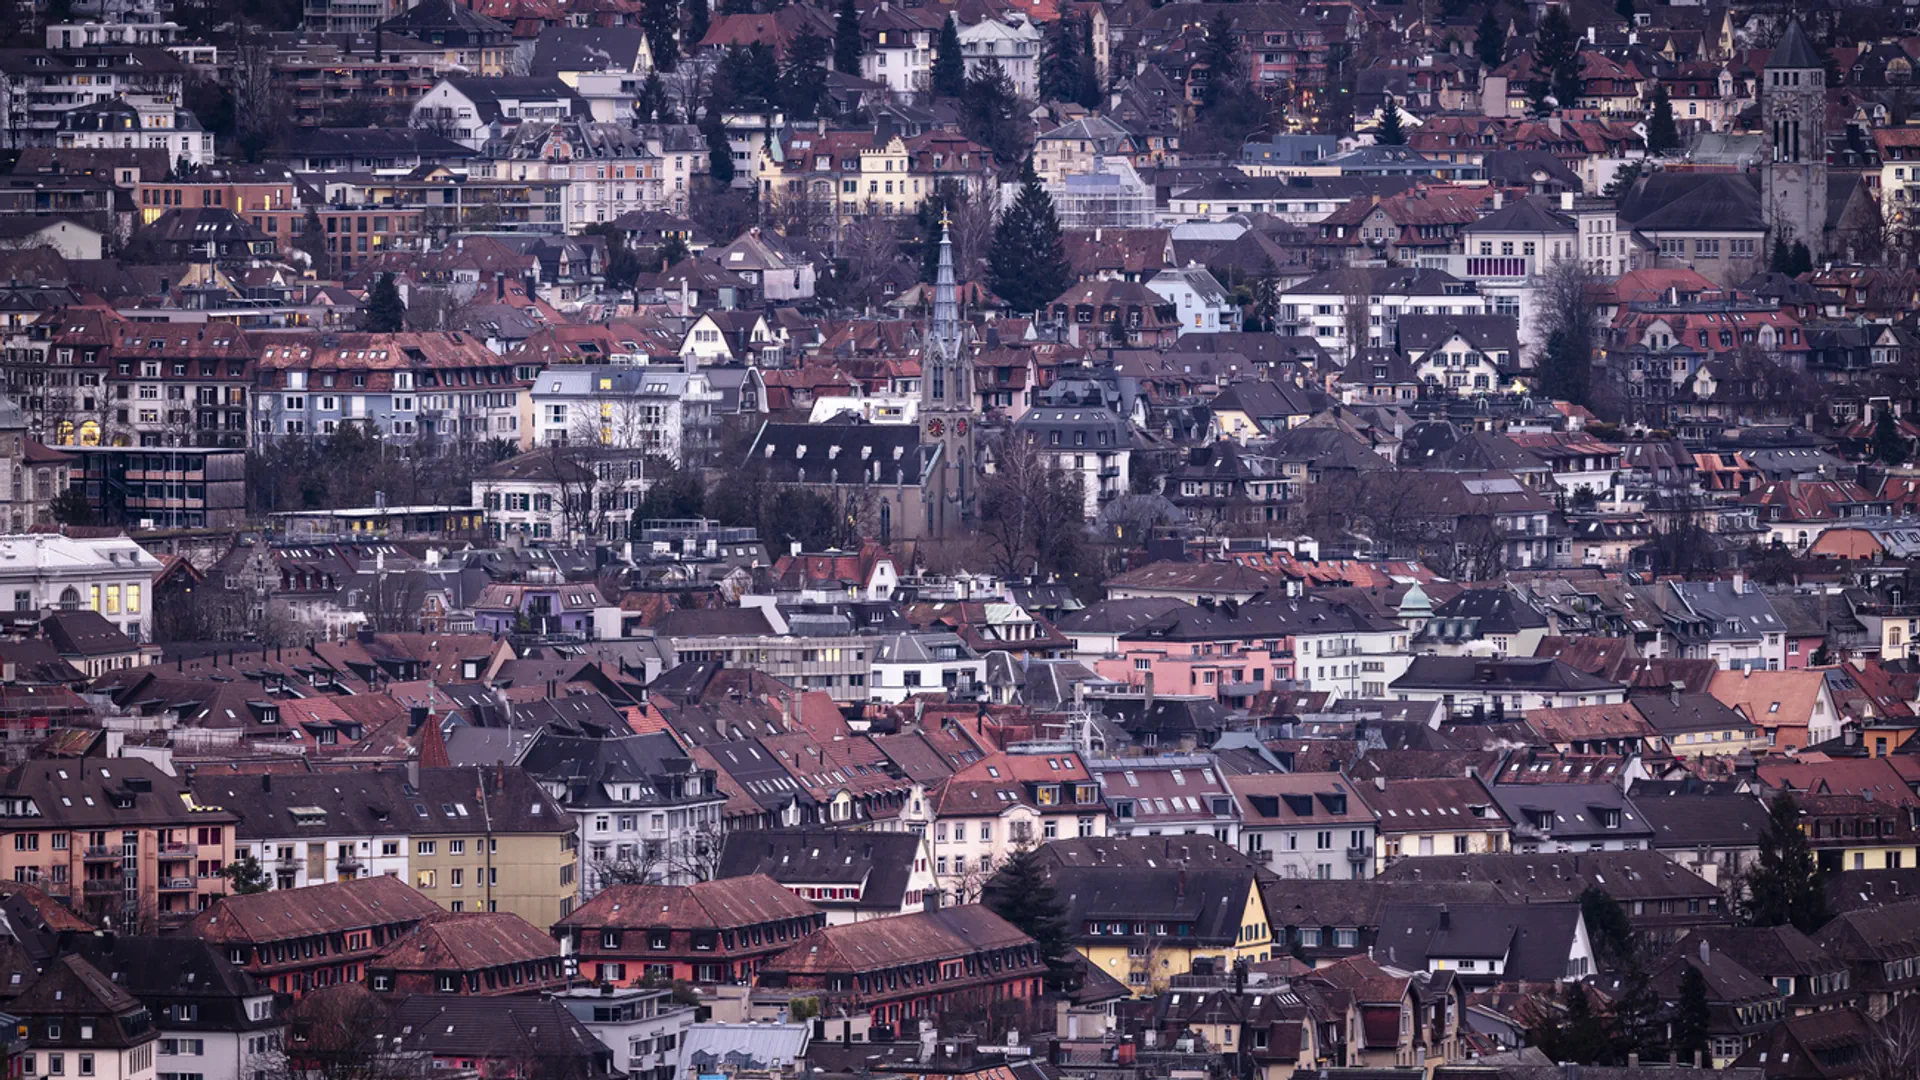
70 599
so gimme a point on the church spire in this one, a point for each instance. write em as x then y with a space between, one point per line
945 331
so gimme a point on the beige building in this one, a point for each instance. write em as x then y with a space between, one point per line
491 839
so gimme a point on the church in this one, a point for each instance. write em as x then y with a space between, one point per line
905 481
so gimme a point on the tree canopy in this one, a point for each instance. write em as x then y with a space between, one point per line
1784 888
1029 255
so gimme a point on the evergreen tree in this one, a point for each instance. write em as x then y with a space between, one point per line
1802 261
719 150
1784 885
651 104
313 241
946 198
1574 1033
848 44
245 876
1490 41
749 73
1607 926
71 507
673 251
949 65
1623 179
1780 260
699 19
1091 92
1390 132
1637 1017
661 20
1566 371
385 313
1225 76
1567 86
1021 894
1029 257
1061 61
1662 136
1263 310
1554 48
990 113
1887 445
802 89
623 266
1691 1016
673 495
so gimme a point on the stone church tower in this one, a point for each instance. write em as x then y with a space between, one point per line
947 415
1793 104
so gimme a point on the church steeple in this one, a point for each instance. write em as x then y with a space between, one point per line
944 334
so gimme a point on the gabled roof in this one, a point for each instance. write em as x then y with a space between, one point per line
467 942
900 941
331 908
707 905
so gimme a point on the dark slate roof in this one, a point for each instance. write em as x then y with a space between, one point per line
1534 940
1212 900
879 864
1531 214
1704 202
849 450
1508 674
1793 50
85 633
1116 616
162 970
1692 821
1497 611
1487 333
648 765
513 1028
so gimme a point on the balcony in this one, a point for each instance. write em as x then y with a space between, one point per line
102 852
103 886
179 884
1109 472
178 848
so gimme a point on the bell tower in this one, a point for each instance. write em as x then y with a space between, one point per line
947 409
1793 105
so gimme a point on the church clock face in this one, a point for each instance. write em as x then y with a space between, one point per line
960 427
935 427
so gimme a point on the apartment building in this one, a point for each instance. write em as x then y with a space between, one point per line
298 940
72 1014
405 386
45 572
492 840
664 412
44 84
114 838
1003 803
644 809
720 931
472 954
314 828
215 1021
1305 825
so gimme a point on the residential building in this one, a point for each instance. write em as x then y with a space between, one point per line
298 940
494 1036
1089 442
313 828
1002 803
475 954
852 876
1880 946
1167 795
721 931
214 1020
1491 688
403 386
659 412
492 840
114 837
1421 818
72 1012
1306 825
644 1028
1011 43
1572 817
1793 709
898 971
646 812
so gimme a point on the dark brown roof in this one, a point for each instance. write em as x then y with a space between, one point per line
468 942
741 901
316 909
904 939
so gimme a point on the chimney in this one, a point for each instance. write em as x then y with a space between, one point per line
1446 918
1379 783
1180 884
1499 200
1739 583
1566 200
1706 954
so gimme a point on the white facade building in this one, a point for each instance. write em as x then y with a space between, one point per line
657 410
109 576
1204 306
1013 43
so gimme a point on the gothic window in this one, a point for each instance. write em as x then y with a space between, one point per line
939 381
